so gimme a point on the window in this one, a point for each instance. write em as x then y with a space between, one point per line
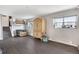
58 22
65 22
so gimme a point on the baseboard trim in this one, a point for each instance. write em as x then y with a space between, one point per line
74 45
1 38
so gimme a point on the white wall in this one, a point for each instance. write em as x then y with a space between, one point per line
1 29
66 36
30 27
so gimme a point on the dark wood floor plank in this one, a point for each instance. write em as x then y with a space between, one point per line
27 45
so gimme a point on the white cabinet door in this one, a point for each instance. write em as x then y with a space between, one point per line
5 21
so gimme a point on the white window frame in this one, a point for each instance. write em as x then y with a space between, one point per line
63 22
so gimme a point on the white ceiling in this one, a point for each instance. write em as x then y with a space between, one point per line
28 11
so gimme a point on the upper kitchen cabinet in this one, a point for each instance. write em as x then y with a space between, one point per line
5 21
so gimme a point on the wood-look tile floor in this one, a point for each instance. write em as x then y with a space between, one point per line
29 45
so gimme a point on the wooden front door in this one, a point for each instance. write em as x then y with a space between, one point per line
38 27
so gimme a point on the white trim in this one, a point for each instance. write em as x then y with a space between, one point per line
67 43
1 38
